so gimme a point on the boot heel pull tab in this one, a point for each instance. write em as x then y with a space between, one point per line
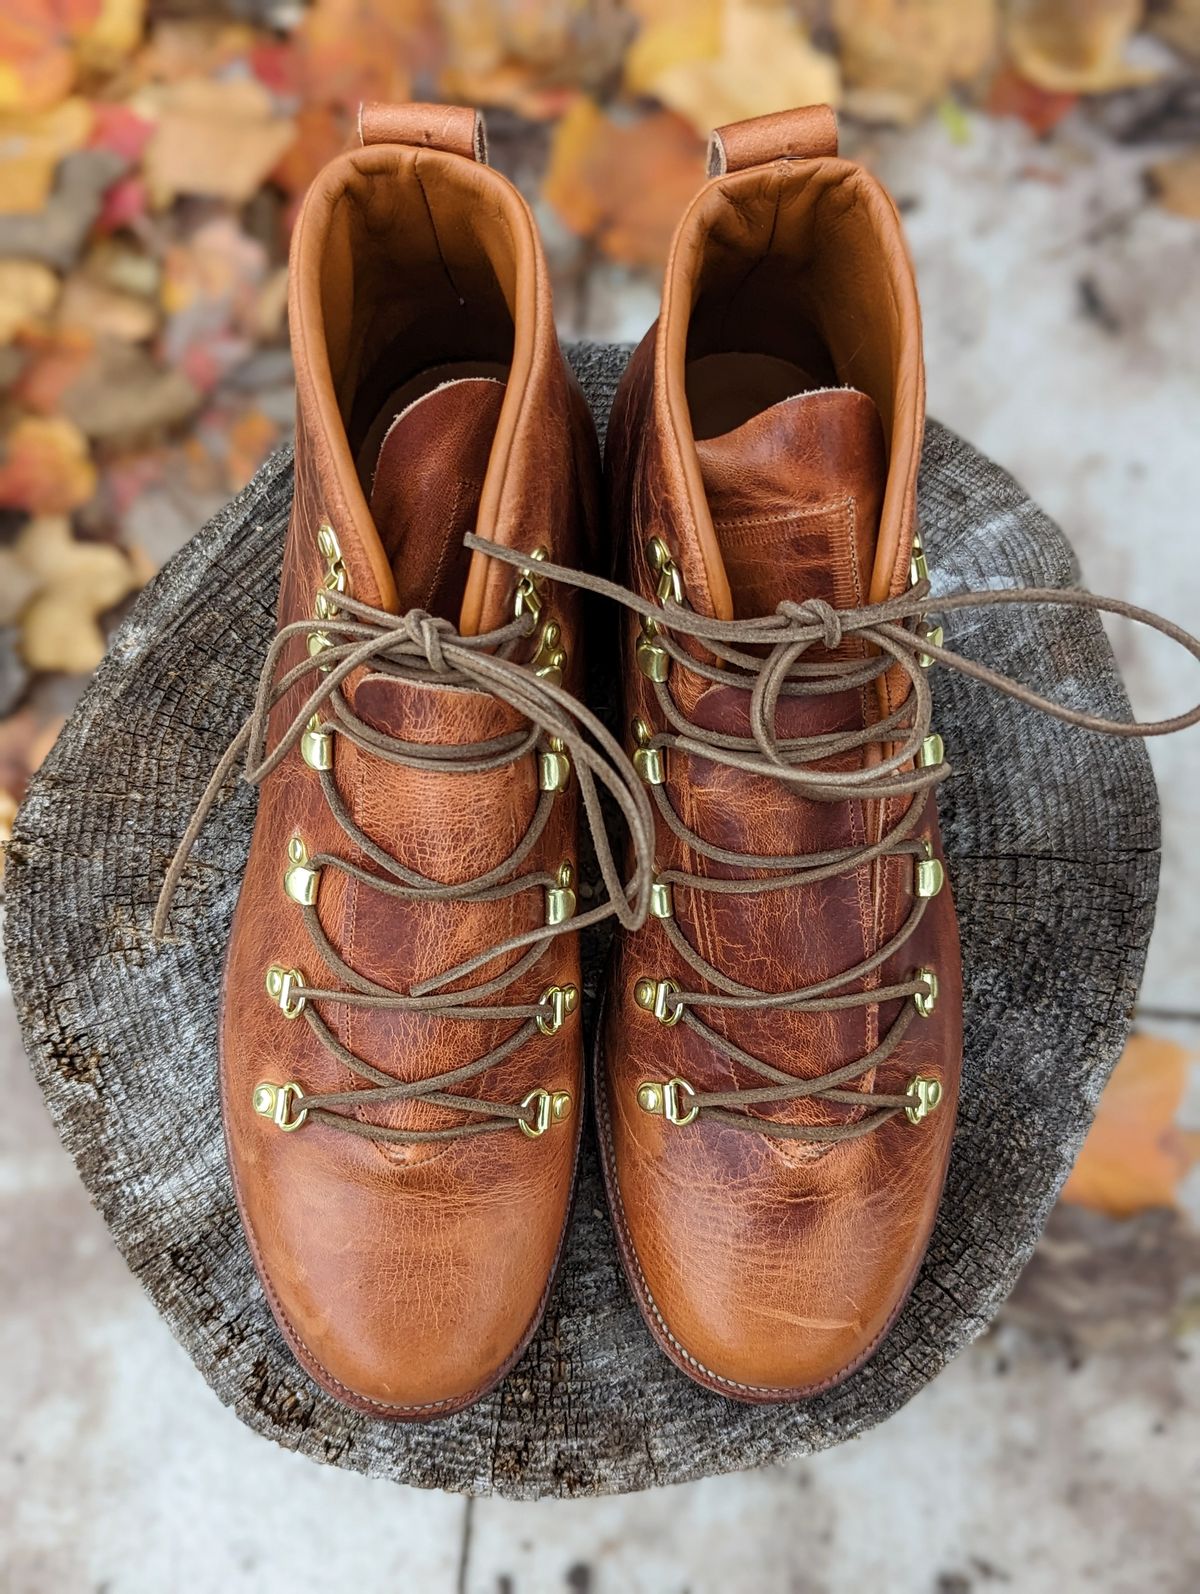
454 128
808 132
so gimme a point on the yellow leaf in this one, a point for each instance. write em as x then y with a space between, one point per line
113 37
674 32
753 57
27 295
37 44
900 57
1135 1154
218 138
623 184
94 307
1177 184
31 145
76 583
1074 46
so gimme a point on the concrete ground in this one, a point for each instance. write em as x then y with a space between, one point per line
1063 322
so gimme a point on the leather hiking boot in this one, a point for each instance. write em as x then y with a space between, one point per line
400 1035
778 1065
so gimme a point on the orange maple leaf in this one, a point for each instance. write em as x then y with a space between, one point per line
1136 1153
38 39
623 184
46 466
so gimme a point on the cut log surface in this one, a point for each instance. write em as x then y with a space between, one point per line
1052 837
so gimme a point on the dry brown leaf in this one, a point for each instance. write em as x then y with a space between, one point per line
746 57
900 57
1177 184
56 361
124 268
1074 46
533 58
37 43
219 139
124 397
45 466
1135 1154
106 312
320 136
198 46
76 582
1010 94
28 292
347 51
623 184
115 34
33 143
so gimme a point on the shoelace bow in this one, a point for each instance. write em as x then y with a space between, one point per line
893 636
419 647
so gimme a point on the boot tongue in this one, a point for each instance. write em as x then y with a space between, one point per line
427 481
795 496
426 487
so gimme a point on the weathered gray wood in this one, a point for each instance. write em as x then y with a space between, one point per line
1053 841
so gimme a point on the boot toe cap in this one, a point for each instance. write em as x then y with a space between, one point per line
395 1296
772 1279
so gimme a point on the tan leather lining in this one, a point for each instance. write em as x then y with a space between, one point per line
405 258
796 259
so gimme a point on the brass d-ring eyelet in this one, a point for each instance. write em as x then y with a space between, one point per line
560 897
553 1107
557 1004
654 996
277 1101
653 1097
285 987
527 595
300 879
926 1000
929 875
925 1095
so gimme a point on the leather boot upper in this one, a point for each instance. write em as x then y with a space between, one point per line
763 451
408 1272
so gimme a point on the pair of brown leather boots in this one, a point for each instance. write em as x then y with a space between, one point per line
777 1063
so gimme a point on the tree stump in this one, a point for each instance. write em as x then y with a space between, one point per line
1052 837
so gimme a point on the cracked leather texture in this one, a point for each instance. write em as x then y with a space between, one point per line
770 1269
407 1277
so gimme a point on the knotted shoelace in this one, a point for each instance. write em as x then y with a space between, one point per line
420 648
892 635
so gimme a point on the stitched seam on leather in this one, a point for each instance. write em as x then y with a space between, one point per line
787 517
630 1250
